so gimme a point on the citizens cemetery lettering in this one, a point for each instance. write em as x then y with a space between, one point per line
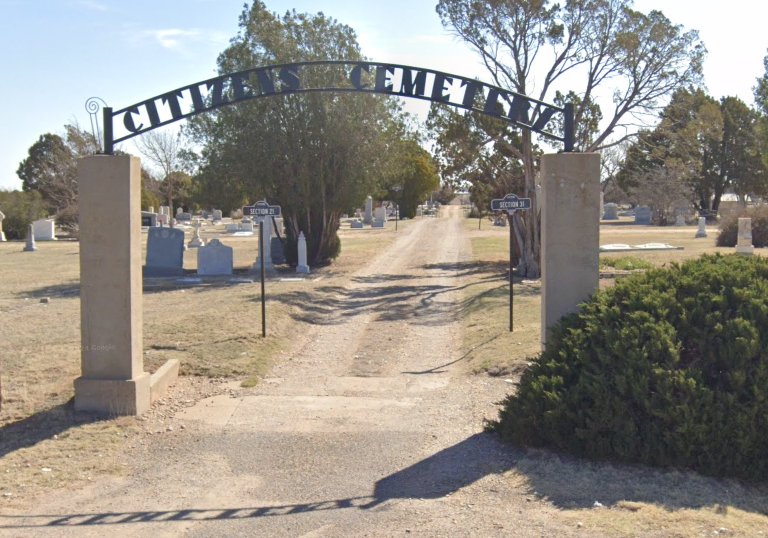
335 76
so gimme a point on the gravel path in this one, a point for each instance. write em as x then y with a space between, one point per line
372 428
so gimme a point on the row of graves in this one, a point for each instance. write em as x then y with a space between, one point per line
377 217
166 245
39 230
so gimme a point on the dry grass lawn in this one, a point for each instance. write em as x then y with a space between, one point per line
214 330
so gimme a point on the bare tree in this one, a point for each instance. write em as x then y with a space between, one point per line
164 150
528 46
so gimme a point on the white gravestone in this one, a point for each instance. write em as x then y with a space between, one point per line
44 230
368 218
267 241
196 241
30 245
151 209
214 259
216 214
744 241
2 233
246 227
702 231
302 267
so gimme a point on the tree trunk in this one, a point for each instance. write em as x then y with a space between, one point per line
528 221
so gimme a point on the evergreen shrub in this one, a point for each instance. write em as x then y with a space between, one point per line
729 227
667 368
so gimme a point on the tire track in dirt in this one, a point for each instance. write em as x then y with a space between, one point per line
370 429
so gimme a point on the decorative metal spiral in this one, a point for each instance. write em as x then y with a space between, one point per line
93 106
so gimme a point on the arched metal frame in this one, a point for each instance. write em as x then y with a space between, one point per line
350 76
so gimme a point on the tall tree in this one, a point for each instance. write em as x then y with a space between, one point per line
761 90
411 177
711 146
51 169
314 154
529 45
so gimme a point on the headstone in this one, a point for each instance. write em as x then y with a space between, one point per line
214 259
377 223
380 213
702 231
680 220
602 203
183 217
302 267
44 230
179 211
245 226
196 241
368 218
266 239
30 246
744 241
610 211
148 219
357 224
165 252
2 233
643 215
162 219
232 228
277 250
151 209
165 210
216 214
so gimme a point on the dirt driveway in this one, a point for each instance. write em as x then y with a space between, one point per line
372 428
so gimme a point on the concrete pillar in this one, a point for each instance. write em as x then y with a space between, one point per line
113 379
744 239
570 233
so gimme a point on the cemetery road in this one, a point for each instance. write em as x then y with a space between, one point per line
372 427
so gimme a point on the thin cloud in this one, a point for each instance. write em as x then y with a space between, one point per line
176 39
172 38
91 4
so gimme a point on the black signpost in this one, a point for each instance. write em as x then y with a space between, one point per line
262 210
511 203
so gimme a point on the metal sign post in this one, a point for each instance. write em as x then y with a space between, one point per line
262 210
511 203
263 296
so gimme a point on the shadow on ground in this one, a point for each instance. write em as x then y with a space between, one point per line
42 426
567 483
394 297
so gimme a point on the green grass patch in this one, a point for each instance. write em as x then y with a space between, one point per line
625 263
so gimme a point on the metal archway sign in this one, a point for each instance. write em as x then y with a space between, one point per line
335 76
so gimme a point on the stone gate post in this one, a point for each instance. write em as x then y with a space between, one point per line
570 233
113 379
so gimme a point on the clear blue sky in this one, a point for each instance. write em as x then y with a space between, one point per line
57 53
